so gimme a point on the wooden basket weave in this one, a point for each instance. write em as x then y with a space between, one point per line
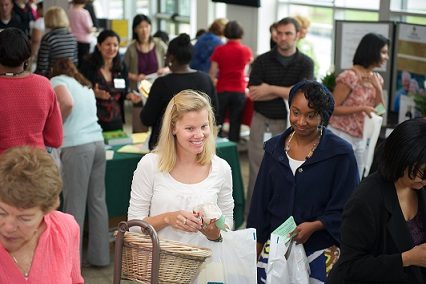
179 262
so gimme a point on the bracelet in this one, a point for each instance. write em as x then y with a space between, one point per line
218 240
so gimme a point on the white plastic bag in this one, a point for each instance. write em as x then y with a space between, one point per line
291 270
233 260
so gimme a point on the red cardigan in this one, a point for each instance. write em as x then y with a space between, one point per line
29 113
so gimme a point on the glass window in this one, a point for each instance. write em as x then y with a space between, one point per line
358 4
310 2
142 7
174 15
115 9
354 15
415 20
409 6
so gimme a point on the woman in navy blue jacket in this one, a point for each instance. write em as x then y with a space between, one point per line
309 173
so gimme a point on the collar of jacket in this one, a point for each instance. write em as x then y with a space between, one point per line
328 147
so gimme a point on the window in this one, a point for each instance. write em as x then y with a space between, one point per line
109 9
413 6
174 16
142 7
409 11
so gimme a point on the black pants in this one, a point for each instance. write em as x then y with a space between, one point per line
83 48
232 102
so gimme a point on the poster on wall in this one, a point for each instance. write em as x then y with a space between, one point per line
352 34
410 71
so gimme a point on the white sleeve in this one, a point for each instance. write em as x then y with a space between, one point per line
142 188
225 199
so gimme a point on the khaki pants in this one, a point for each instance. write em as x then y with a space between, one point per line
259 126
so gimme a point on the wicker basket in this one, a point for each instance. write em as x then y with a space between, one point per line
179 262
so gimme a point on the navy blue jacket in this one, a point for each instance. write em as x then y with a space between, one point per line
318 191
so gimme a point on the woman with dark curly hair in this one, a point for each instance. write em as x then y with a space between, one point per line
308 173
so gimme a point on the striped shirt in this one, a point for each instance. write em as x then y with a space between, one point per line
269 69
58 43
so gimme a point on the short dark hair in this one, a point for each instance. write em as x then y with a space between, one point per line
136 21
233 30
319 98
404 149
287 21
181 48
368 51
162 35
15 48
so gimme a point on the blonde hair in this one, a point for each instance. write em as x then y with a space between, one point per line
303 21
218 26
55 18
29 178
182 103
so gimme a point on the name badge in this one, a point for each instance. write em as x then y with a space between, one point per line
119 83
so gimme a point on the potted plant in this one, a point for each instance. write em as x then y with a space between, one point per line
329 80
420 101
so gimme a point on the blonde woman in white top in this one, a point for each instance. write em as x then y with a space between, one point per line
183 172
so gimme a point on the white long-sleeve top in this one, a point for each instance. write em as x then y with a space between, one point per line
154 192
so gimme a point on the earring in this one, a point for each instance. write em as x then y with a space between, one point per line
320 128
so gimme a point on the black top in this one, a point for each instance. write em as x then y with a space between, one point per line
267 68
25 15
110 112
15 22
162 91
374 233
89 7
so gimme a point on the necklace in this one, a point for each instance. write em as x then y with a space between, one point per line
26 273
11 74
311 152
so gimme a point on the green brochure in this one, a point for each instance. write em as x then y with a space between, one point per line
286 228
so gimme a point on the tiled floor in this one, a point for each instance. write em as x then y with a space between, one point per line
105 275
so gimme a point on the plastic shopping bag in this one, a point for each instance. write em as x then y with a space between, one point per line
232 261
287 263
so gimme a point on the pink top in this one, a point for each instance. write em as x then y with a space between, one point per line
231 59
29 113
56 258
362 93
80 23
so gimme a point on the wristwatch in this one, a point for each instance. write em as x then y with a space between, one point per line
218 240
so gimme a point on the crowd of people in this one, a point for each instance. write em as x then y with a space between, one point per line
306 147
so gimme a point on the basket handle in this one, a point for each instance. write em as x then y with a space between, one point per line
119 241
